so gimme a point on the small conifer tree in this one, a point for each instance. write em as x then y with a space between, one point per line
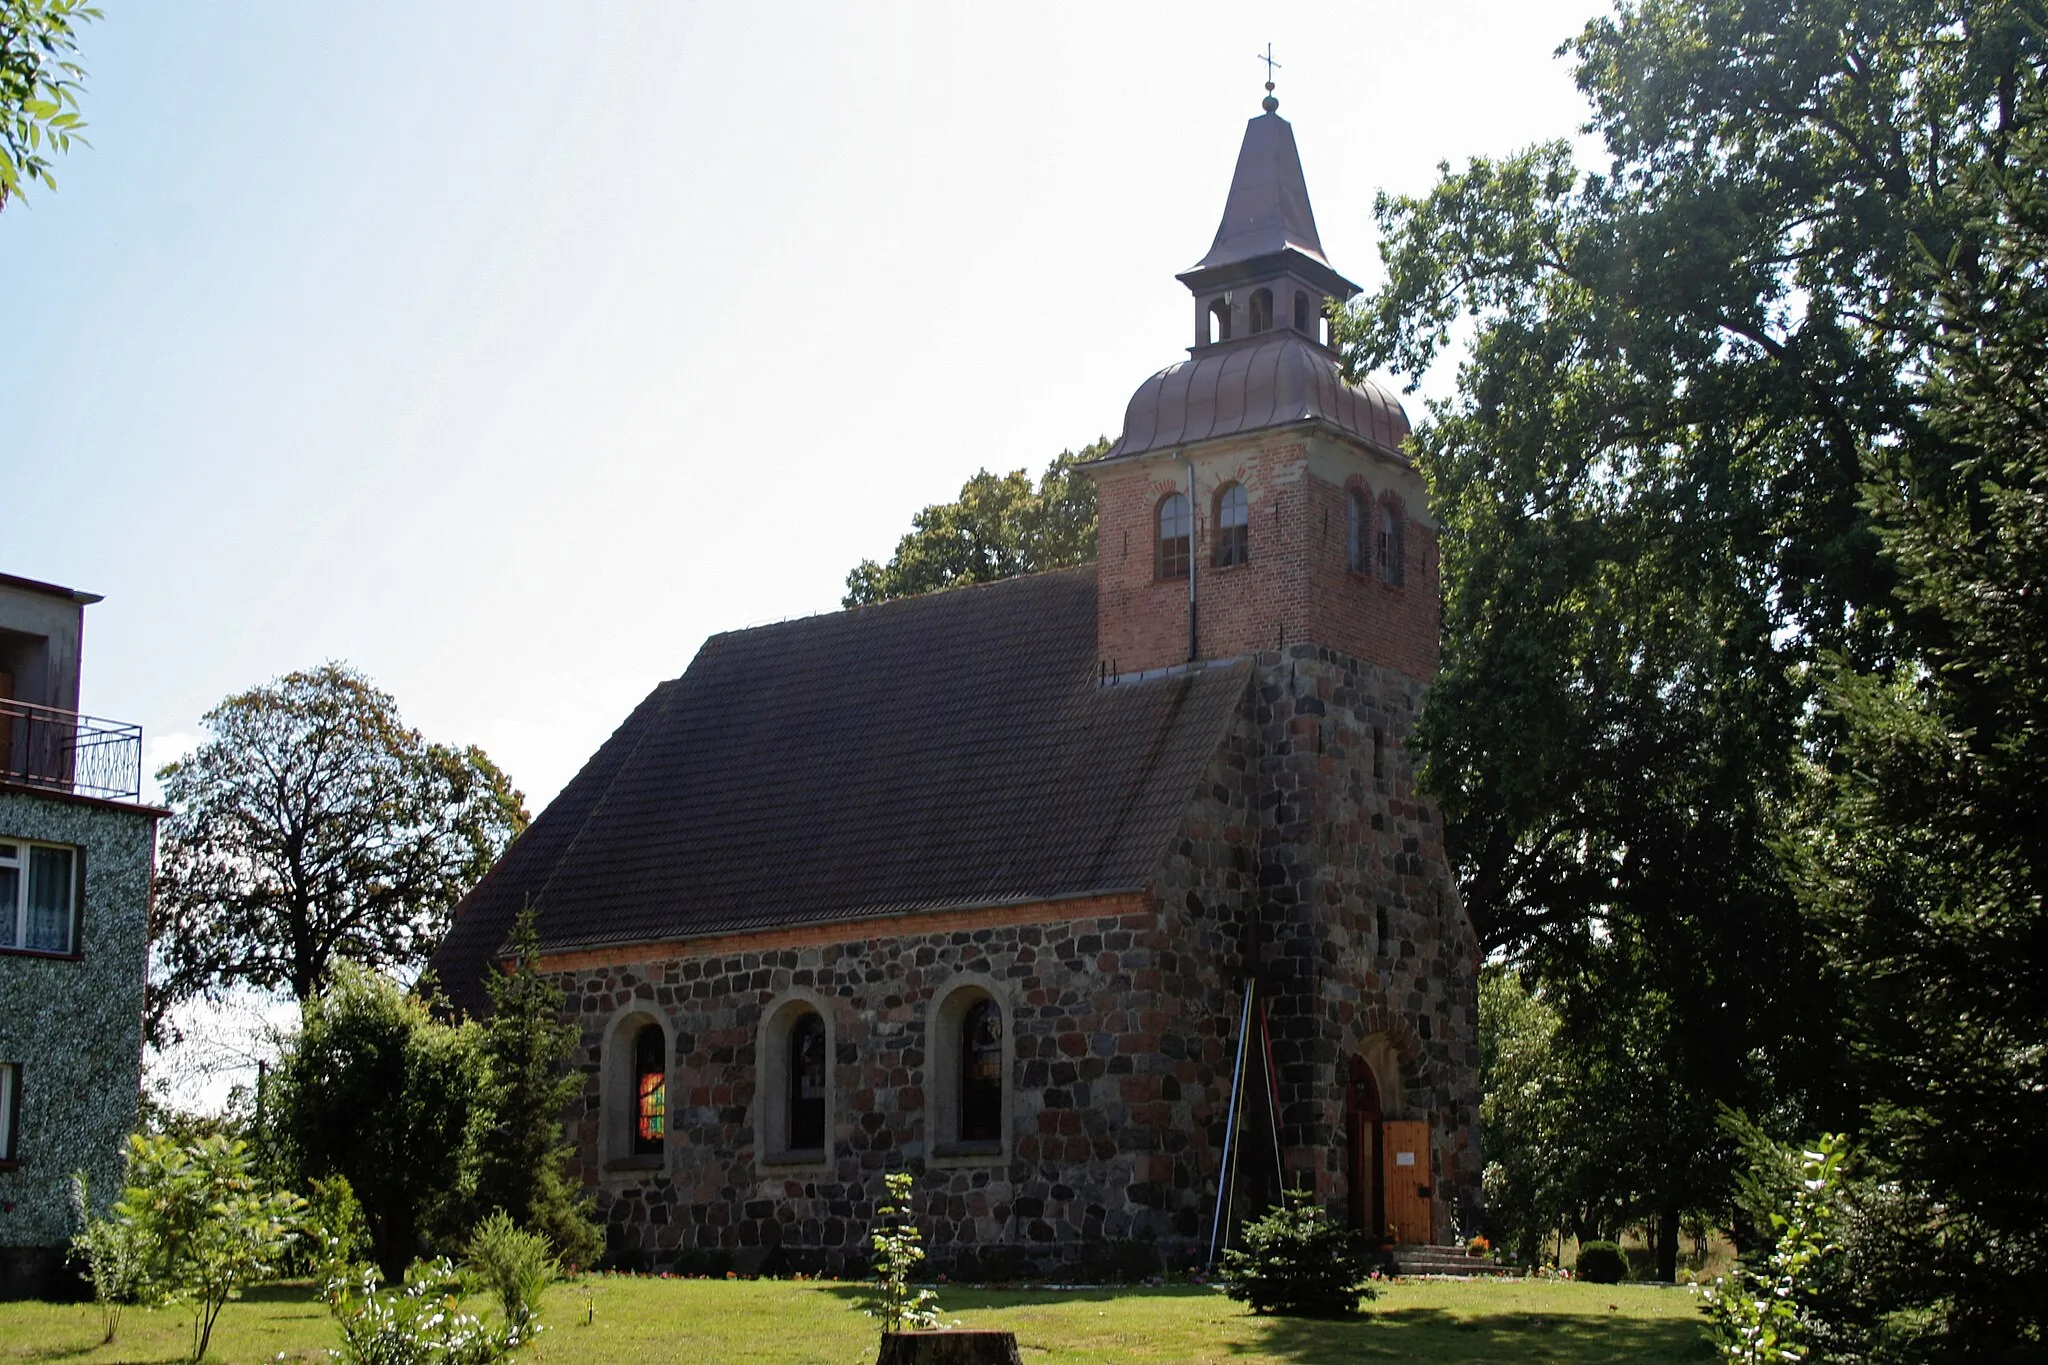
525 1155
1295 1260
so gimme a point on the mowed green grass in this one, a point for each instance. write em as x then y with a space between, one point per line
771 1322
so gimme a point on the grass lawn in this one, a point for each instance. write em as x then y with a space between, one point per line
712 1322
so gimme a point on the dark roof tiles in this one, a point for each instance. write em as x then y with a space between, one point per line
942 751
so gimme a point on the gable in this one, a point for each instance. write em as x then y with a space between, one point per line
939 752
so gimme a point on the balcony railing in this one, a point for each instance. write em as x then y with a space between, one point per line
41 746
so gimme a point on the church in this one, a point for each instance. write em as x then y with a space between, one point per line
1103 900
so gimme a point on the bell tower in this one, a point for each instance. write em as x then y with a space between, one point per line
1256 499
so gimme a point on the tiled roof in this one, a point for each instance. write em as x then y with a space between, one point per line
941 751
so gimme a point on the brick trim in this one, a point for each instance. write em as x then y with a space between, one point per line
853 931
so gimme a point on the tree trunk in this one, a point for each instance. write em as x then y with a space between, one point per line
948 1348
1667 1243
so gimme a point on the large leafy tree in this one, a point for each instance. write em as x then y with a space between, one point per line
1737 454
40 79
1001 527
315 826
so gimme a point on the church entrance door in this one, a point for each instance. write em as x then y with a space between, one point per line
1404 1175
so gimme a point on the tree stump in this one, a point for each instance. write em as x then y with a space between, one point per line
949 1348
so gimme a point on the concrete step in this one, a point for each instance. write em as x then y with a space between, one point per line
1443 1260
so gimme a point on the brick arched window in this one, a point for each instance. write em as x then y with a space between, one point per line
1304 315
1233 526
1176 531
1392 559
650 1090
1262 310
1359 539
1219 320
970 1061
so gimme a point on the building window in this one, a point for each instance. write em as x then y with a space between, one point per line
1360 524
1262 310
650 1091
10 1110
807 1085
1390 542
981 1072
970 1060
1219 321
39 897
1176 526
793 1124
1233 526
1304 319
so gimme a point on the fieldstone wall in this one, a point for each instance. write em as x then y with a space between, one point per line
1305 840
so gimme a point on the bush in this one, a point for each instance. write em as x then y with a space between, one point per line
1295 1260
513 1266
421 1323
1601 1263
111 1253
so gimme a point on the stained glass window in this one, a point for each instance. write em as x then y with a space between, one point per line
650 1091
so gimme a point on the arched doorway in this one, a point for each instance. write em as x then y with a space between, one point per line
1363 1118
1388 1160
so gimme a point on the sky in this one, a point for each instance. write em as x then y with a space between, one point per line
508 350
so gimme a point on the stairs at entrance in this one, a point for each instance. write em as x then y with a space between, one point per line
1439 1260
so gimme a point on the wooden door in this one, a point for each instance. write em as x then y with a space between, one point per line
1404 1178
1364 1173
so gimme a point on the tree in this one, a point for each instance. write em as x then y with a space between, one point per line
999 528
524 1157
376 1090
39 87
315 826
1740 491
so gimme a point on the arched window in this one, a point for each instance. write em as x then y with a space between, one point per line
1219 320
1390 542
1360 554
1262 310
970 1060
1233 526
807 1084
981 1072
1176 527
650 1090
1304 317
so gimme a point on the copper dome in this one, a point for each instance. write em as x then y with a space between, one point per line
1275 379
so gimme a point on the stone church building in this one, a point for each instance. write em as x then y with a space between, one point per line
1089 896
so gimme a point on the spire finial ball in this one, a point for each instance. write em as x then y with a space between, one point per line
1269 104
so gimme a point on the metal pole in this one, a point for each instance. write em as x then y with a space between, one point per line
1225 1171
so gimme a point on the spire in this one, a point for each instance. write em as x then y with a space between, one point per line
1268 209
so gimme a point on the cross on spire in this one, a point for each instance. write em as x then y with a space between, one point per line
1269 104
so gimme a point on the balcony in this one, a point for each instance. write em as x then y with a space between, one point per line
41 746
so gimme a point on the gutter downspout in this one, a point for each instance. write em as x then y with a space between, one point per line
1194 524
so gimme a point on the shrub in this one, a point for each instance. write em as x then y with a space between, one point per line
1767 1317
1295 1260
111 1253
513 1266
1601 1263
421 1323
899 1249
336 1237
203 1224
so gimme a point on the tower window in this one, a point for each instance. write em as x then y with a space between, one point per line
1390 553
1219 321
981 1072
1360 555
807 1084
1233 526
1304 319
1262 310
650 1090
1176 526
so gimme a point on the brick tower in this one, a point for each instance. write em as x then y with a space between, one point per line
1259 507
